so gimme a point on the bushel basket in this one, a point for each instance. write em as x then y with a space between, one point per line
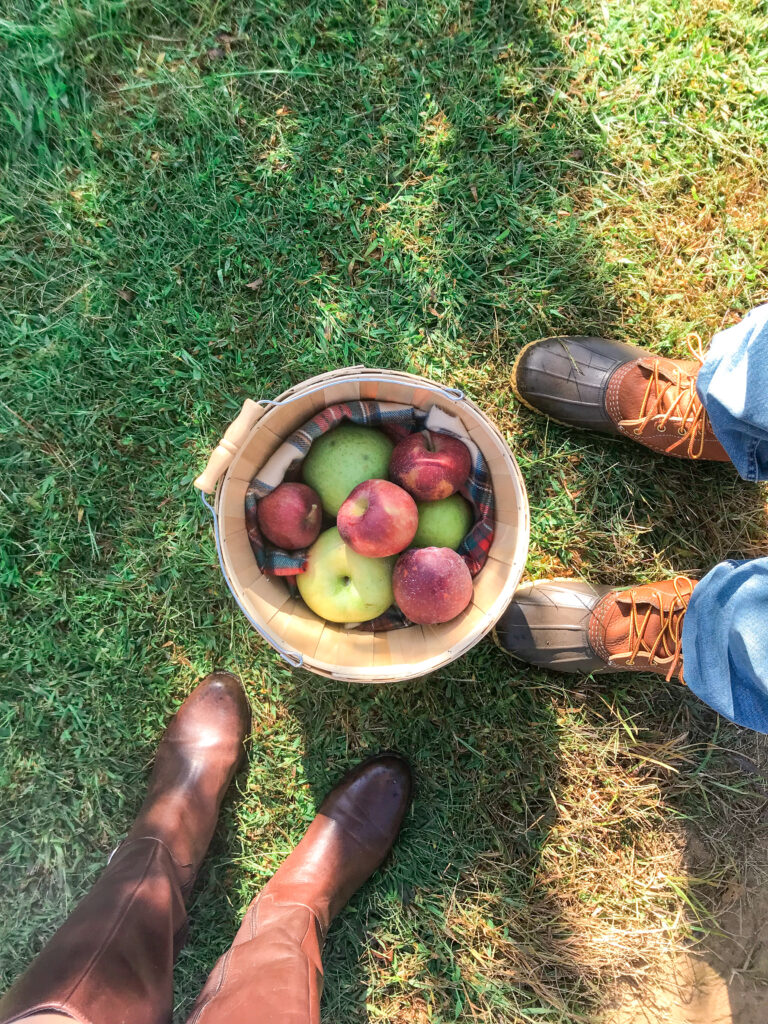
300 636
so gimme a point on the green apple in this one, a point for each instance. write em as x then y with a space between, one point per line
444 523
343 458
342 586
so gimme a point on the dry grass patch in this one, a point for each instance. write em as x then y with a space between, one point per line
695 242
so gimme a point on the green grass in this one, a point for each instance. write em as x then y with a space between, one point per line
189 218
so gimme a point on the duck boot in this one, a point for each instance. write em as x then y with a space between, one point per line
572 626
619 389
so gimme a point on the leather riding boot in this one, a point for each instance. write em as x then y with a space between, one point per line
618 389
572 626
111 961
273 973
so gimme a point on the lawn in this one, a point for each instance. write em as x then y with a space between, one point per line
204 202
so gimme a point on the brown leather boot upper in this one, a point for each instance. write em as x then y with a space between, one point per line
654 401
195 763
642 627
350 836
619 389
275 961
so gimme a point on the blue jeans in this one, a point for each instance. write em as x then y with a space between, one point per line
725 629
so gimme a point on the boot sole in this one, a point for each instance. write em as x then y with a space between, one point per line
541 583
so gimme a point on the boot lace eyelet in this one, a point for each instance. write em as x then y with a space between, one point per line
637 433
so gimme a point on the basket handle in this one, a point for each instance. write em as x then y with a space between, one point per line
251 413
227 448
292 657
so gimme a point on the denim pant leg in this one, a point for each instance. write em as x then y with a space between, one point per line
733 387
725 641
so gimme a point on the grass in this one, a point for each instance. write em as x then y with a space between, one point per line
203 202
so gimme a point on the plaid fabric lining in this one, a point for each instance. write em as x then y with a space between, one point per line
397 423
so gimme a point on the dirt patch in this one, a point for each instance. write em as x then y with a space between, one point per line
694 993
680 231
724 979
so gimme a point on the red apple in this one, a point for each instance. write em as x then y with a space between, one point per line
429 465
290 516
378 519
431 585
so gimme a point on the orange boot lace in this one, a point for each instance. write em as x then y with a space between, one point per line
667 648
676 401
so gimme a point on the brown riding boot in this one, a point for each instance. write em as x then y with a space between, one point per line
273 972
111 961
573 626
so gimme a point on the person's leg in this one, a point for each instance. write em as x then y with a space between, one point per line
713 634
733 387
111 961
273 972
725 642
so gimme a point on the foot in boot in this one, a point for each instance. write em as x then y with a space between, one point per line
349 838
275 962
112 959
571 626
618 389
195 763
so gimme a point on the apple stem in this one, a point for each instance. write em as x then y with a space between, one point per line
428 443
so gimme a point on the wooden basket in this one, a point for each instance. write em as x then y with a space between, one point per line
299 635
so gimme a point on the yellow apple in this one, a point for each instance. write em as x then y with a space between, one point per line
342 586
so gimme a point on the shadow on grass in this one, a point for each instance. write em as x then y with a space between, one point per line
721 974
482 807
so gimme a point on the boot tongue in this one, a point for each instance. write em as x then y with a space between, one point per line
617 624
646 597
617 618
634 384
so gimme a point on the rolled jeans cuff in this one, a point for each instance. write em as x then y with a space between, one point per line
725 641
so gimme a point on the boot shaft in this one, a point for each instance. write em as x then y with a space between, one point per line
111 962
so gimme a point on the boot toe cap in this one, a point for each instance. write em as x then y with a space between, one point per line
387 774
547 625
567 378
375 796
218 706
226 687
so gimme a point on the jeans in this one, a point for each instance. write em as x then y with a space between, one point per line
733 386
725 629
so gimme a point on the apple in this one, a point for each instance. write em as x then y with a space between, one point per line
378 519
431 585
342 586
290 516
444 523
343 458
429 465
